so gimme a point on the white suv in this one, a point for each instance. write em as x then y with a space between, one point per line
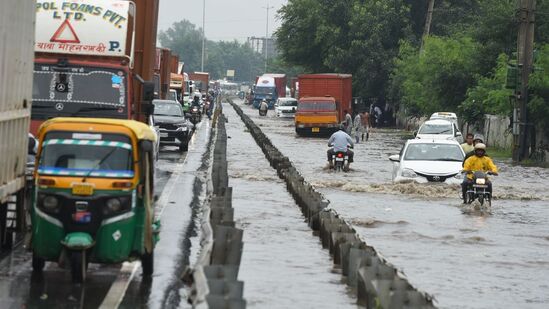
439 129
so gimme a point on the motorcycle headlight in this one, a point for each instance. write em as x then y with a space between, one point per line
408 173
481 181
50 203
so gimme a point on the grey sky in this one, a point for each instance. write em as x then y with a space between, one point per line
225 19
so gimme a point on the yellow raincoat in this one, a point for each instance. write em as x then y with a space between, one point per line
476 163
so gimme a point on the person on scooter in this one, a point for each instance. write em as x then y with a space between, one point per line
263 108
478 162
340 142
196 99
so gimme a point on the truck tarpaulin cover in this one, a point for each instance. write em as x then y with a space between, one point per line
84 27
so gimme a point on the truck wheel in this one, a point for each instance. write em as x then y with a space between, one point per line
78 266
147 264
38 263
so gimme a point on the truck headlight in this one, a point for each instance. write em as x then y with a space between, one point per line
408 173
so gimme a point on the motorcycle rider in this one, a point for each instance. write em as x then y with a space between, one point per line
476 139
478 162
263 108
339 142
468 145
196 99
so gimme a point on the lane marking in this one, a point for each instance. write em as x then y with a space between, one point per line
120 285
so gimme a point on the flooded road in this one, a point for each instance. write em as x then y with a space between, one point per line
465 261
174 186
283 265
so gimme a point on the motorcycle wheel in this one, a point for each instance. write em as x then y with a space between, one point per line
481 199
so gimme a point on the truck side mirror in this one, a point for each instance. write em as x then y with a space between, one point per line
148 92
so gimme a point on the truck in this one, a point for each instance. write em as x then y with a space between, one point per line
269 87
323 99
201 81
94 58
162 73
16 65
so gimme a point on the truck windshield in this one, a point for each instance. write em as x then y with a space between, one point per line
73 156
265 90
78 91
316 106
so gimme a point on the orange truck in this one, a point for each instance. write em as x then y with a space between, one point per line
201 81
323 98
94 58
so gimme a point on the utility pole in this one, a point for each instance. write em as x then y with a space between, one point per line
267 36
428 20
203 34
525 53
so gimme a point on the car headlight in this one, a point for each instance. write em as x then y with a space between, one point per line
50 203
408 173
182 128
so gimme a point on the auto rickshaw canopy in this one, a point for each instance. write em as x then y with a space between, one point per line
139 129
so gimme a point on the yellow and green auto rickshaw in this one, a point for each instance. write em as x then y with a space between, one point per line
93 194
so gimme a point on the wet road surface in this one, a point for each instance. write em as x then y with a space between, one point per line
283 265
20 288
465 260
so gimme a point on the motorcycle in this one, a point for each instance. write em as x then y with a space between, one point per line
341 161
196 115
479 189
206 109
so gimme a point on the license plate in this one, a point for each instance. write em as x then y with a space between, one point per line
82 189
339 159
480 186
316 130
163 134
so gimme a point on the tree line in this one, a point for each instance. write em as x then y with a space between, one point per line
462 64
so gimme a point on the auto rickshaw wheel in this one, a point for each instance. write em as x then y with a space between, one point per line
78 266
37 263
147 264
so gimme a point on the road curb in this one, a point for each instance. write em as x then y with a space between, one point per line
213 280
378 284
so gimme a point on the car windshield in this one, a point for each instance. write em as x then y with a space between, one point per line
429 128
288 103
433 152
76 156
265 90
78 91
167 109
316 106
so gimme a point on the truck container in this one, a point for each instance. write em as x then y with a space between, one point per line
201 81
269 87
174 66
91 63
16 66
294 88
323 99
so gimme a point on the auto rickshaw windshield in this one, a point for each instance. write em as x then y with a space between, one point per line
107 157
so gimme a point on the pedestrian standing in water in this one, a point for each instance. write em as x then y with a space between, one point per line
366 125
357 127
348 122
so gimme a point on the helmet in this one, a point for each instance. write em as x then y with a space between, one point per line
197 95
264 100
480 146
478 137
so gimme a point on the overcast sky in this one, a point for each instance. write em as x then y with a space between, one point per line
225 19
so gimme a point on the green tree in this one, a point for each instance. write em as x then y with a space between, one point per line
437 79
186 40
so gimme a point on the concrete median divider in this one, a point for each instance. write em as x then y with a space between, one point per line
377 283
214 278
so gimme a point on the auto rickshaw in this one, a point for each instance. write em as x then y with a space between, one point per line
93 194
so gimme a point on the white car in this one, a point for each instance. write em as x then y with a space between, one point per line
425 161
452 117
286 107
439 129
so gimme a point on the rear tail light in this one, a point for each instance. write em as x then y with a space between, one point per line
340 155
